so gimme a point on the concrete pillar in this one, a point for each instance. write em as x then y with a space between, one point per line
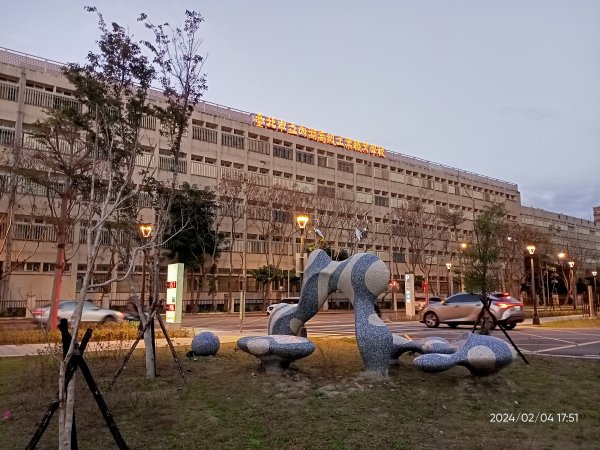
31 305
105 301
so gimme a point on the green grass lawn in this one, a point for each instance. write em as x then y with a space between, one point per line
324 403
30 333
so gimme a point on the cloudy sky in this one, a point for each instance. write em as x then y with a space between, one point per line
508 89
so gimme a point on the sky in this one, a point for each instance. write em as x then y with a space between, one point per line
508 89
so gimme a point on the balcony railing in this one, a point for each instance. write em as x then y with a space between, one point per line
144 159
204 170
64 146
345 194
257 146
309 188
169 163
258 179
7 136
9 91
148 122
232 140
364 198
45 99
228 173
284 183
38 232
204 134
326 191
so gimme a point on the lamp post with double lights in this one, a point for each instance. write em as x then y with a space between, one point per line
573 292
301 220
536 318
450 283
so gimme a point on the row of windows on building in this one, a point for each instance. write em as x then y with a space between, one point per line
47 96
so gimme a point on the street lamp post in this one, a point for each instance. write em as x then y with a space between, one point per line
301 220
146 231
450 283
561 257
573 292
536 319
594 273
463 247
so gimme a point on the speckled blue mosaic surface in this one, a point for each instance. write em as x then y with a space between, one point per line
481 354
402 345
206 344
276 351
362 277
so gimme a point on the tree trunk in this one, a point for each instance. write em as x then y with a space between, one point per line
66 409
9 218
150 357
232 301
148 335
61 241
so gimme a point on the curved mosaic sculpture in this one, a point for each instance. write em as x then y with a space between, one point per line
362 278
481 354
276 353
205 344
425 345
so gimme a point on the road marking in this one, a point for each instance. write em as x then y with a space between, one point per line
528 352
547 337
577 332
568 346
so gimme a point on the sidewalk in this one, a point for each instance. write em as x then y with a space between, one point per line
556 318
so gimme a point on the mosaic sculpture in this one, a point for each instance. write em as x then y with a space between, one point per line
362 278
481 354
276 353
425 345
205 344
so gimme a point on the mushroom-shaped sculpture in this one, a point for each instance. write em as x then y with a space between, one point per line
481 354
276 352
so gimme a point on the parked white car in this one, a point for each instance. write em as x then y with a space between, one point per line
284 301
91 313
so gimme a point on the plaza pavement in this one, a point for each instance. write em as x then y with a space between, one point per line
36 349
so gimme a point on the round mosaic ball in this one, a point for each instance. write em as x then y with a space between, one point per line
205 344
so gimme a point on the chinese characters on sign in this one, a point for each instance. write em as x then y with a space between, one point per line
317 135
174 300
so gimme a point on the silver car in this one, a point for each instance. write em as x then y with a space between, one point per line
284 300
464 308
91 313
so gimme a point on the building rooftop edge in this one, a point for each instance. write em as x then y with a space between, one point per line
25 60
536 208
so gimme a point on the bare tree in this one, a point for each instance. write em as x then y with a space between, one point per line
272 214
179 67
422 230
112 89
230 193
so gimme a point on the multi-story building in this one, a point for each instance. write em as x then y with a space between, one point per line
223 142
578 240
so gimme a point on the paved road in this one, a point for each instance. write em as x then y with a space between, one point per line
573 342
